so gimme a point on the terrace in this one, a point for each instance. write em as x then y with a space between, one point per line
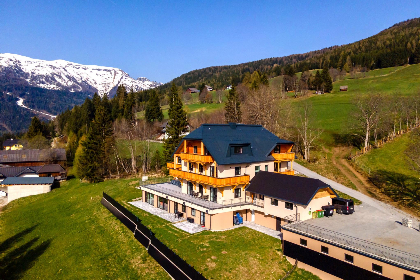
367 231
171 191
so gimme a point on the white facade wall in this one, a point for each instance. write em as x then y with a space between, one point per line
281 211
18 191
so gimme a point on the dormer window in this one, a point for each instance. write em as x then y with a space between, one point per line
238 150
195 149
277 149
179 160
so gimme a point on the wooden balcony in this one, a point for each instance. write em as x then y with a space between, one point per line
202 179
196 158
284 156
171 165
288 172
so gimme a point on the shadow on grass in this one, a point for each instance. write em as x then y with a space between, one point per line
347 139
400 187
16 260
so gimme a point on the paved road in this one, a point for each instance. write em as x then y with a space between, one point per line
383 207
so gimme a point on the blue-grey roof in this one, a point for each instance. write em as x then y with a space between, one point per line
219 139
28 181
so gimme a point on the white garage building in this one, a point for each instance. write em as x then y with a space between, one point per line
17 187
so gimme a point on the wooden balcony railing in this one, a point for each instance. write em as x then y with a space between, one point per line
284 156
196 158
288 172
172 165
217 182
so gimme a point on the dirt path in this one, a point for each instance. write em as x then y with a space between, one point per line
361 182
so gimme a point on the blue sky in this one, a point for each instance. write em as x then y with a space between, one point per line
163 39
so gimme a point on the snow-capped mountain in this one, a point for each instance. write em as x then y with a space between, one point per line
67 76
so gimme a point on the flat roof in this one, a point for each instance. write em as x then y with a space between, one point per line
28 181
369 224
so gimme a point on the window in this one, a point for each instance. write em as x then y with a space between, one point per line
377 268
288 205
266 168
274 202
261 196
409 277
237 150
277 149
276 167
179 160
193 212
195 149
200 168
184 208
348 258
212 171
237 192
191 166
303 242
324 250
237 170
257 169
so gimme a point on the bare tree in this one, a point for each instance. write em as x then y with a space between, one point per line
368 114
305 129
413 151
277 84
261 108
220 94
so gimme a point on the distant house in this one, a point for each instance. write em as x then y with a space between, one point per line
163 135
18 171
33 157
229 87
12 144
344 88
17 187
192 90
49 170
209 88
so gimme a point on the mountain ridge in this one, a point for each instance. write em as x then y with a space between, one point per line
65 75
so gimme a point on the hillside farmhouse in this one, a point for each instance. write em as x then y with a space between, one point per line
33 157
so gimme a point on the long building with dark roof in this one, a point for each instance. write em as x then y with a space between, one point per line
33 157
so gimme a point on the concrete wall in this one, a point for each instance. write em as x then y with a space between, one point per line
361 261
264 220
18 191
222 221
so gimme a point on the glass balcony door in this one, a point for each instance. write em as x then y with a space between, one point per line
213 194
190 188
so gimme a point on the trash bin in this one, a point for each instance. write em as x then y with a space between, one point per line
320 213
328 210
314 215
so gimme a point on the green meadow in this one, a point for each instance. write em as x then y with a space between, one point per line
68 234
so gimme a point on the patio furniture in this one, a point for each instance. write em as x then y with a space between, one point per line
191 220
179 215
206 197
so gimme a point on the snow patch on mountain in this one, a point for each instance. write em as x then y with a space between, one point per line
65 75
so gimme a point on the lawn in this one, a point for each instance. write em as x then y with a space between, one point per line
68 234
389 170
138 146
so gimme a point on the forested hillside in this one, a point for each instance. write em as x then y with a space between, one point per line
397 45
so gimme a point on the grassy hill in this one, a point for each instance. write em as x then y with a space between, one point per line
394 46
68 234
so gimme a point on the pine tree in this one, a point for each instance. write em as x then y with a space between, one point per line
326 80
35 128
128 106
233 107
318 80
153 109
177 123
96 149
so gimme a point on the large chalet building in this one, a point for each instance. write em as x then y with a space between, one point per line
214 169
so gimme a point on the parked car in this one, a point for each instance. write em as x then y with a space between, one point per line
343 206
